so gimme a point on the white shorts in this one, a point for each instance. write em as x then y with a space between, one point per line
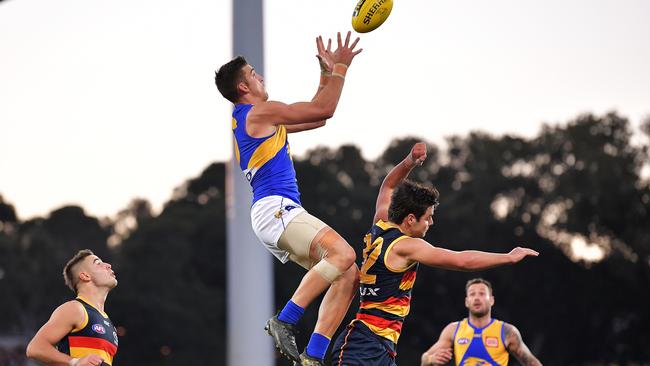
270 216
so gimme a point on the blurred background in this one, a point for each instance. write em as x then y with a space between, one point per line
113 137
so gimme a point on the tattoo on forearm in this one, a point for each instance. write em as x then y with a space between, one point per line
518 348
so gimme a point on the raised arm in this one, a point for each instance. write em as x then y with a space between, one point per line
64 319
441 351
418 250
326 62
417 155
323 105
516 346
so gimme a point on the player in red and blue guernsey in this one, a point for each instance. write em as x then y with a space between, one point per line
79 332
394 248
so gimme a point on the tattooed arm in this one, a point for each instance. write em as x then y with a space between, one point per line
516 346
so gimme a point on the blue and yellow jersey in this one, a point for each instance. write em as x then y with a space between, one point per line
385 292
97 336
480 346
265 161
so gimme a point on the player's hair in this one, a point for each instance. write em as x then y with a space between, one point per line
474 281
70 274
411 198
228 76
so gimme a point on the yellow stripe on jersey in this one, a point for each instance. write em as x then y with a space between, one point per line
234 123
268 149
85 322
384 225
236 150
387 333
399 310
81 352
407 285
390 247
93 306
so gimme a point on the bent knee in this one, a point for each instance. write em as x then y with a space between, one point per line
345 257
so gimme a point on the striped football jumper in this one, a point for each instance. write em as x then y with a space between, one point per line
385 292
97 335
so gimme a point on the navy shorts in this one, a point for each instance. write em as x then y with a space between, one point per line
359 346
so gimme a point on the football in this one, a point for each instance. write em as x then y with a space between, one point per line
368 15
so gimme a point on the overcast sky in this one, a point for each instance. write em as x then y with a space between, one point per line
105 101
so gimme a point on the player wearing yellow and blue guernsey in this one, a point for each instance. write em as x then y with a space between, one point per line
265 161
479 339
284 227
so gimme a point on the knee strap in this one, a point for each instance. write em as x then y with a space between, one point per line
327 270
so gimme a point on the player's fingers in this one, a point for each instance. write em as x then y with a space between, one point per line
347 39
354 44
532 252
357 52
319 44
338 40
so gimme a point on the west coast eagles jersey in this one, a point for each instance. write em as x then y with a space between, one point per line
265 161
480 346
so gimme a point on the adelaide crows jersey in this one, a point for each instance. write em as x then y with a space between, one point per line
97 336
385 292
265 161
480 346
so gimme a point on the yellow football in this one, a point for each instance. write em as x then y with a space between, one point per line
370 14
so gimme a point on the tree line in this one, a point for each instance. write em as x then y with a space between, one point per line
579 193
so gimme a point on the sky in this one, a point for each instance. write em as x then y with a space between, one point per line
102 102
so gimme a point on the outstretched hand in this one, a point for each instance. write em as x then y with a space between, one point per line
520 253
419 153
325 55
345 52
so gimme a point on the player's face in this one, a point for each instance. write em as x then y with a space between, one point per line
479 300
254 82
101 273
420 227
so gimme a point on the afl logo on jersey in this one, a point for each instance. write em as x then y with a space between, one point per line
98 328
463 340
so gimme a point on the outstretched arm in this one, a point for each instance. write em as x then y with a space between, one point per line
418 250
440 353
323 105
516 346
417 155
